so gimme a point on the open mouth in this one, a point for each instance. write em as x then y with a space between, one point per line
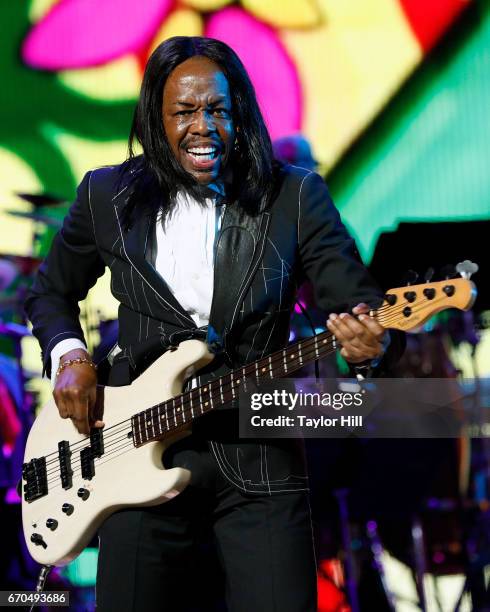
203 157
203 154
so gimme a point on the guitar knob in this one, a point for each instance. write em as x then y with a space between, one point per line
83 493
51 523
448 272
466 268
67 509
37 539
410 277
429 274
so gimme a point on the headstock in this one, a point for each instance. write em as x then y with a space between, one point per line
408 307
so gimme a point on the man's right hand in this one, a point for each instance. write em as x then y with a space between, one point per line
75 392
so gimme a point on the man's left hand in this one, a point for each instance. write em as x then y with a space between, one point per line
360 336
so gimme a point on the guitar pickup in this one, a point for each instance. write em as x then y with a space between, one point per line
36 479
87 463
97 442
64 456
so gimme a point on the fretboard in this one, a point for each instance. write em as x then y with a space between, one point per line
155 422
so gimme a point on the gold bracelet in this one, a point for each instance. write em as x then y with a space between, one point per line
70 362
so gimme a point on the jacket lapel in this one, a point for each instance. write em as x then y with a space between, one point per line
138 242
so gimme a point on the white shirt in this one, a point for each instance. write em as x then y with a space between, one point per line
185 260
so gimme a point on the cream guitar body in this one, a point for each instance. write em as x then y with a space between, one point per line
125 475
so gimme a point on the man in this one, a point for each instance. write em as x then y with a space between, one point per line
204 234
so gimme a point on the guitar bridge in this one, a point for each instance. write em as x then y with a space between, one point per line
36 479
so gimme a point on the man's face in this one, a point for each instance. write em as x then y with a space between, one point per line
197 118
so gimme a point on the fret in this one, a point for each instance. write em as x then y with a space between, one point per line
257 370
300 356
149 422
166 415
220 379
175 413
192 406
232 386
162 412
200 400
317 354
141 419
210 396
154 418
334 341
284 360
182 410
270 367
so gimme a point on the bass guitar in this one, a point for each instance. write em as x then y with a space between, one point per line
71 483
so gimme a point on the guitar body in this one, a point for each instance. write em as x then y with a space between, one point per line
124 475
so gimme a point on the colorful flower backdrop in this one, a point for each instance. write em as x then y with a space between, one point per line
72 70
320 66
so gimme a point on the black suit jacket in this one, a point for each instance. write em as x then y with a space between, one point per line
260 261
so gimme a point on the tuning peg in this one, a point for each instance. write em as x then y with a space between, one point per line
429 274
466 268
448 272
410 277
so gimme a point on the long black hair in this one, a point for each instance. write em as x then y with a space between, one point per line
156 177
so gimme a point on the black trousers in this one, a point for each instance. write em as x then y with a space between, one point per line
149 561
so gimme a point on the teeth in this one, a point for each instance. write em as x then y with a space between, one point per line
202 150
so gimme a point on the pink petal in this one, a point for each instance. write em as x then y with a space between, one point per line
80 33
272 71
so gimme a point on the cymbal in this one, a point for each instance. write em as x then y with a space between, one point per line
41 199
35 216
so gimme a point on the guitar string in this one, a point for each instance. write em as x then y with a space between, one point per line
279 356
124 444
414 309
249 369
322 350
296 364
75 445
118 444
176 424
227 388
127 445
183 412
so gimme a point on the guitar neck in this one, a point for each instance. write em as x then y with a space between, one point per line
404 308
173 414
